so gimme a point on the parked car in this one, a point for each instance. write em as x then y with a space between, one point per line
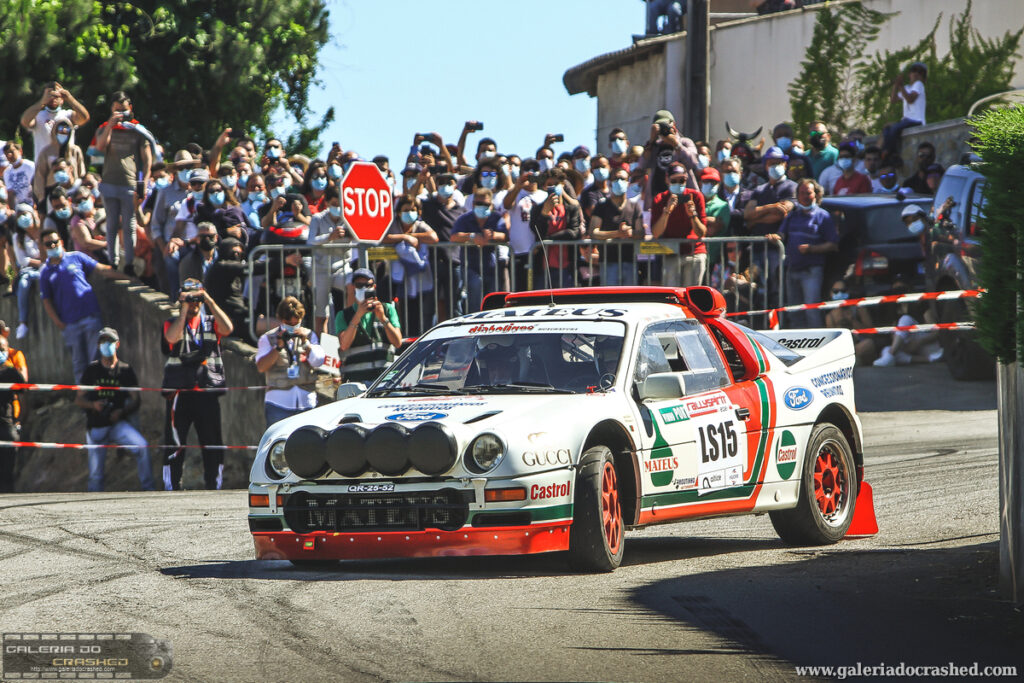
954 254
559 420
875 246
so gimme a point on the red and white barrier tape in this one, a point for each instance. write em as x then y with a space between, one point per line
84 446
915 328
870 301
29 386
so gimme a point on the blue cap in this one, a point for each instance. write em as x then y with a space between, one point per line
774 153
364 273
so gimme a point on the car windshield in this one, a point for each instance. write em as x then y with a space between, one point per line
874 224
509 358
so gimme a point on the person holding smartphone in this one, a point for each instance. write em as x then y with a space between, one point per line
678 213
370 331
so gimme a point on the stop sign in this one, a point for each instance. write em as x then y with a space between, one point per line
366 201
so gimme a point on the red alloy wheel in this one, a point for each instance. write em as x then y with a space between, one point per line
611 513
829 482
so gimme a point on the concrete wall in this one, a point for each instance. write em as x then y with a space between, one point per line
137 313
626 95
753 60
949 137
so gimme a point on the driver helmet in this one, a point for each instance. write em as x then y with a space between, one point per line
606 351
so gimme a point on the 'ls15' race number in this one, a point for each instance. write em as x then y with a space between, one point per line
718 441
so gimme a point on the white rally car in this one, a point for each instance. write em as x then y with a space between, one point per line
560 420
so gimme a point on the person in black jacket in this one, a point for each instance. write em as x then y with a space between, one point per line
8 430
225 282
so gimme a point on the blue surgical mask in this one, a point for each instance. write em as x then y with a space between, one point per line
61 177
183 176
55 252
619 146
319 184
490 182
633 190
290 329
808 207
24 221
278 191
63 213
162 182
859 145
334 171
708 189
844 163
257 198
107 348
62 138
446 191
217 198
230 180
84 207
243 180
731 179
724 154
95 193
409 217
410 183
582 165
916 227
513 171
784 143
482 211
620 186
777 172
557 189
546 164
633 165
600 173
273 152
703 161
840 296
335 211
676 188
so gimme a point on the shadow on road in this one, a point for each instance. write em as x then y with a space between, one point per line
640 551
919 387
841 607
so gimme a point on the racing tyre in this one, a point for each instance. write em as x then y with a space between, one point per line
828 492
314 565
596 535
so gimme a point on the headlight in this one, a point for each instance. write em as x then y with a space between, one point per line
484 453
277 466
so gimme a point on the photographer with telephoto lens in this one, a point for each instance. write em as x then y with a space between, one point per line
288 355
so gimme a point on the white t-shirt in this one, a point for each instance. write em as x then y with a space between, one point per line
521 238
914 110
295 398
189 216
828 178
43 124
24 250
19 182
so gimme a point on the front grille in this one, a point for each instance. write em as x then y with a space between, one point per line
446 509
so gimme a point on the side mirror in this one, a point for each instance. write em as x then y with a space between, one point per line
662 386
348 390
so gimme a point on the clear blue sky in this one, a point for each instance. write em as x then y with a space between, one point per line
394 68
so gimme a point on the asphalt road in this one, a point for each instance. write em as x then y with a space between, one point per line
715 600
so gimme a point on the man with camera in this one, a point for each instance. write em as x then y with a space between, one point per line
370 331
107 411
665 147
191 342
287 355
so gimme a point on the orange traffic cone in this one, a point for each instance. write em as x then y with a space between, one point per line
864 522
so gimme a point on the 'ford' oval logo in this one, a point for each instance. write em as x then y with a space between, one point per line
798 398
415 416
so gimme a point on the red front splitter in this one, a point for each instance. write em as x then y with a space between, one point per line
325 545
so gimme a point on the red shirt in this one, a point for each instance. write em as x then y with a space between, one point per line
858 183
679 225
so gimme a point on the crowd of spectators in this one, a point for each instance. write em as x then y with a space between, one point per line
469 220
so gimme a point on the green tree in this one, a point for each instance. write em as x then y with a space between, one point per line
191 67
827 88
999 314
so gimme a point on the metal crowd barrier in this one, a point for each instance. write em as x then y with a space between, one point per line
457 276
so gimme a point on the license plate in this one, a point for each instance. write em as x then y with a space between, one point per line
371 488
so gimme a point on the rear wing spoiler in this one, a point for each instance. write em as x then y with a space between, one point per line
817 346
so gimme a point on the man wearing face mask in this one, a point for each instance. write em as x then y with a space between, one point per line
197 262
39 117
678 213
8 417
620 221
327 227
440 212
288 354
618 146
600 190
558 217
68 297
484 227
519 203
581 163
191 343
49 170
59 215
809 233
18 175
164 222
823 154
370 332
107 411
665 147
545 158
850 182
